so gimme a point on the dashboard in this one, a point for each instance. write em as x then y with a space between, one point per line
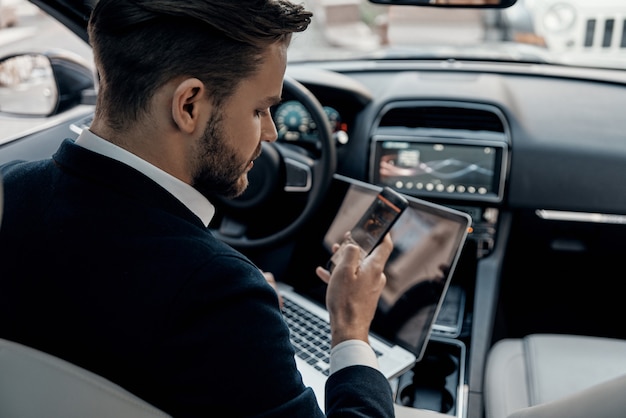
523 136
488 139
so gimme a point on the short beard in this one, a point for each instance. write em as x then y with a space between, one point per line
217 171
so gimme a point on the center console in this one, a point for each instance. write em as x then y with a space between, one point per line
455 154
436 383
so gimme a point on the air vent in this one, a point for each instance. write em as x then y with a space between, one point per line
443 117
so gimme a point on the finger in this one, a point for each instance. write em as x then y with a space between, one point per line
350 255
323 274
337 245
381 253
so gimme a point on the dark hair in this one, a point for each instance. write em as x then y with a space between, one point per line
139 45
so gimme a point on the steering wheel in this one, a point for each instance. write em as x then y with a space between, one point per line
283 173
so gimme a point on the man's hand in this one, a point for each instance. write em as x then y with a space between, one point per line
354 289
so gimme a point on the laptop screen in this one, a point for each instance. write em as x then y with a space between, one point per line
428 240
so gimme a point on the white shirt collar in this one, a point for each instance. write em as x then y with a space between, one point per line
189 196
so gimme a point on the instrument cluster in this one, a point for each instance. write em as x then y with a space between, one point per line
295 124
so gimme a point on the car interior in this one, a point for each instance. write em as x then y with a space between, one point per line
531 324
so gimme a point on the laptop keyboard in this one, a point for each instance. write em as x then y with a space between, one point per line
309 335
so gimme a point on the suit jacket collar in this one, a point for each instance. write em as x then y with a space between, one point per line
117 175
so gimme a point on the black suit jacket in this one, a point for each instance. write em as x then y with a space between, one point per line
103 267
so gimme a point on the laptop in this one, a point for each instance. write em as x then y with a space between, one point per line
428 241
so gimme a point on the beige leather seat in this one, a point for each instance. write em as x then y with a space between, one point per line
34 384
549 375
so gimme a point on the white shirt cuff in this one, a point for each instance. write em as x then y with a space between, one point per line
352 353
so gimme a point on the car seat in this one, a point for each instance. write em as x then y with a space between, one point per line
34 384
553 376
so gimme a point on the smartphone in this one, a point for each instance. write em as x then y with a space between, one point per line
377 220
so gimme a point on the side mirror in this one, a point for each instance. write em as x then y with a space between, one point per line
40 85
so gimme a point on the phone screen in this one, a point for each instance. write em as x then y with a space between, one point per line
377 220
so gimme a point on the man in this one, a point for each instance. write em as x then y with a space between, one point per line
106 259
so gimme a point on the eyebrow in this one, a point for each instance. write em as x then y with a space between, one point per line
271 101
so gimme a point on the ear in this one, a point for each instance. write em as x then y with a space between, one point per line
187 102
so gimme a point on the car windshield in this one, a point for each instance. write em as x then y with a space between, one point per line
565 32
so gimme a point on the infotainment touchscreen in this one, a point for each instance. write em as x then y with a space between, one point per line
471 170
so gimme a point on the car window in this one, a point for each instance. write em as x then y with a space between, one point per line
566 32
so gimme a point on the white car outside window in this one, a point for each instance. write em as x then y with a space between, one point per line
574 31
